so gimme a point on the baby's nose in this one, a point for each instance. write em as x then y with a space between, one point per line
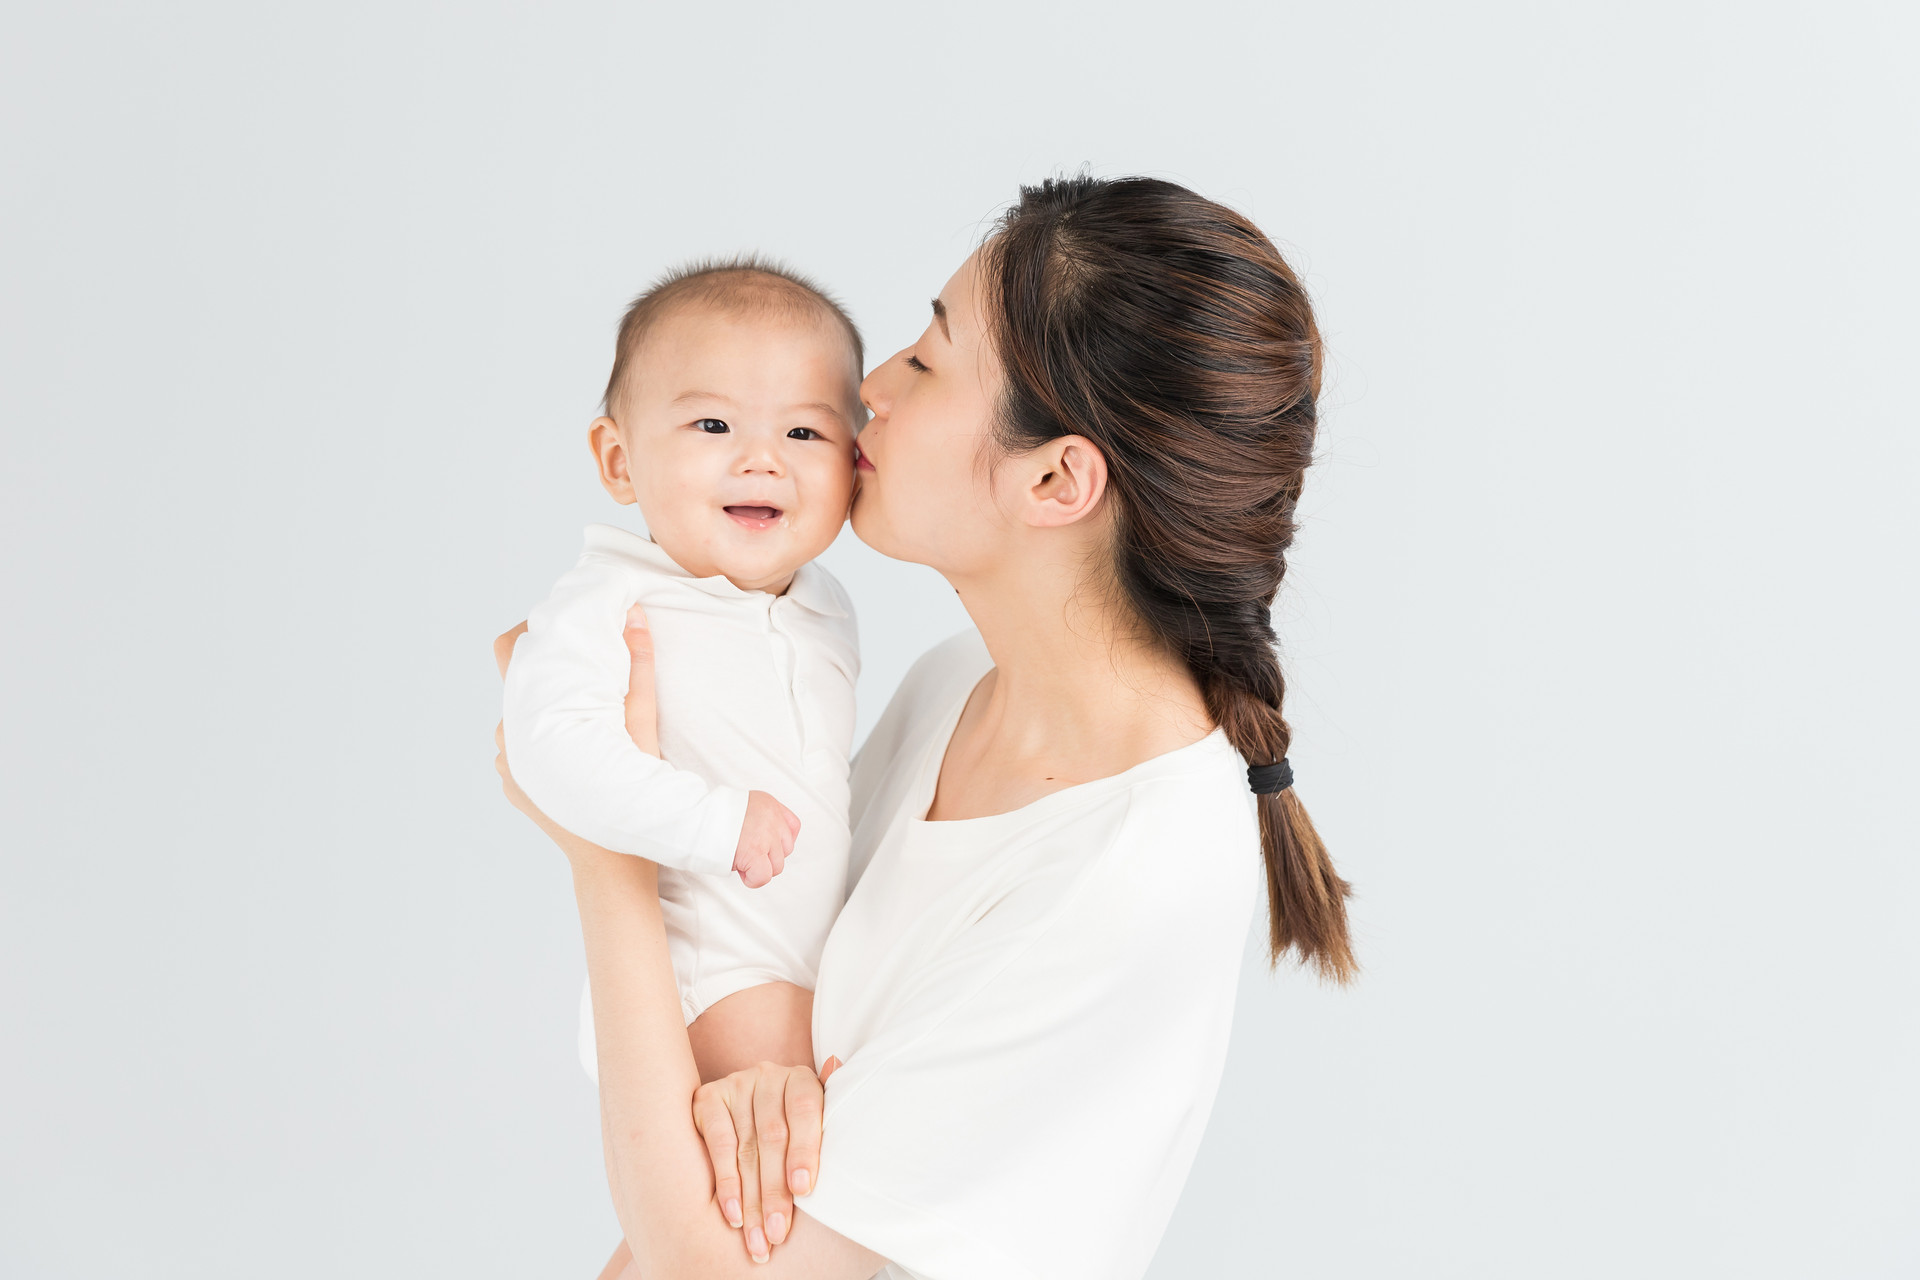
761 458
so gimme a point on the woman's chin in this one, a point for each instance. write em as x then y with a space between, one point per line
866 522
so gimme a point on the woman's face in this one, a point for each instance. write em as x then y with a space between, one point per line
926 491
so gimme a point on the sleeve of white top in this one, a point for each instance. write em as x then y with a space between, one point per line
1030 1108
567 743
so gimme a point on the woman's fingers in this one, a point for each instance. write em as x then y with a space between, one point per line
503 647
617 1265
770 1125
507 784
715 1125
502 655
805 1110
740 1102
643 720
762 1130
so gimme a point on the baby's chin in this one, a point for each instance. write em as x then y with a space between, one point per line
757 549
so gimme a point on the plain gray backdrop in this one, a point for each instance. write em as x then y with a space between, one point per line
1601 629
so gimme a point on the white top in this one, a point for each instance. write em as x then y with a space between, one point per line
740 709
755 693
1032 1008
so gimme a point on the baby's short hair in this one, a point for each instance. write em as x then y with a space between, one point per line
744 283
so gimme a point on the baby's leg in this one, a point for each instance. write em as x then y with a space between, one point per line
772 1022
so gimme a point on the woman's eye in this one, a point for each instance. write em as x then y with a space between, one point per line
712 426
803 433
913 363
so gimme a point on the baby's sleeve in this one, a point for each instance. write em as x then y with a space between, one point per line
567 743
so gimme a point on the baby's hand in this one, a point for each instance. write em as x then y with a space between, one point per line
766 839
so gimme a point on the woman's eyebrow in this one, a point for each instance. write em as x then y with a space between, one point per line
940 314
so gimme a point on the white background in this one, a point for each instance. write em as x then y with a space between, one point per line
1601 630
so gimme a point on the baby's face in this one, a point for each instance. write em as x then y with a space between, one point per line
736 438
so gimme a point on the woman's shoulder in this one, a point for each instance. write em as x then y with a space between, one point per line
1206 780
1181 830
950 667
937 680
1195 815
930 692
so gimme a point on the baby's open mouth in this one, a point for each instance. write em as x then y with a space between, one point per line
754 517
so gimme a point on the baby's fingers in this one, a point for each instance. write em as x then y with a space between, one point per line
715 1124
757 871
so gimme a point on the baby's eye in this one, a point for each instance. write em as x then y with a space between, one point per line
803 433
712 426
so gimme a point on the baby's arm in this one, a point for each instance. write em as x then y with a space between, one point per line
566 734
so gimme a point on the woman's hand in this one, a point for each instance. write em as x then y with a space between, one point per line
643 721
762 1129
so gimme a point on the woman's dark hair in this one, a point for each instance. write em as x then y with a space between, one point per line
1169 331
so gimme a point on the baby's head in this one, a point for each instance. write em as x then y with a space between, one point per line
730 419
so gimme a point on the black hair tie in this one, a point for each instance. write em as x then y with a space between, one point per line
1270 779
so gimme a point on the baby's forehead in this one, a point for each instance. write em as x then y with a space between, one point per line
713 358
709 331
746 320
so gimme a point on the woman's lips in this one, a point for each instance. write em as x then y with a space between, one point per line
753 517
860 462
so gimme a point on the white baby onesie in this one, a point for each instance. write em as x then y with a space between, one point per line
755 693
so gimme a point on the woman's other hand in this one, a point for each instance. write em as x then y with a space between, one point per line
762 1129
502 655
503 647
643 721
642 717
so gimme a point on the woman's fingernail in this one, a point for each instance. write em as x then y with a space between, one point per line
801 1181
732 1210
776 1227
756 1245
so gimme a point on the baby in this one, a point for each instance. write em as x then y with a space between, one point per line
729 419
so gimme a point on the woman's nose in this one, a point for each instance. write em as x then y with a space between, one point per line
874 393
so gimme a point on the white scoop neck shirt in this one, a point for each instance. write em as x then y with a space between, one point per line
1032 1008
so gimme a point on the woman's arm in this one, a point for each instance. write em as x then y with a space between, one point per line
657 1166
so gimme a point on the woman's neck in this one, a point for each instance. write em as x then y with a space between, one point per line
1076 694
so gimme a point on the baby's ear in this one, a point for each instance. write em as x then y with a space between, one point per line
610 455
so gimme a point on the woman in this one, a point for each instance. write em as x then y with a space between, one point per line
1099 440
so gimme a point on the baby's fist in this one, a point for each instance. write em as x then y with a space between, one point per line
766 839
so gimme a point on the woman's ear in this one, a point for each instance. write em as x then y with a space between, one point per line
610 455
1067 477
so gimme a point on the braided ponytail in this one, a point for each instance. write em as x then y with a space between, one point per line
1169 331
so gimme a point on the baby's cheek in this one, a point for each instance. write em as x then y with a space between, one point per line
835 481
